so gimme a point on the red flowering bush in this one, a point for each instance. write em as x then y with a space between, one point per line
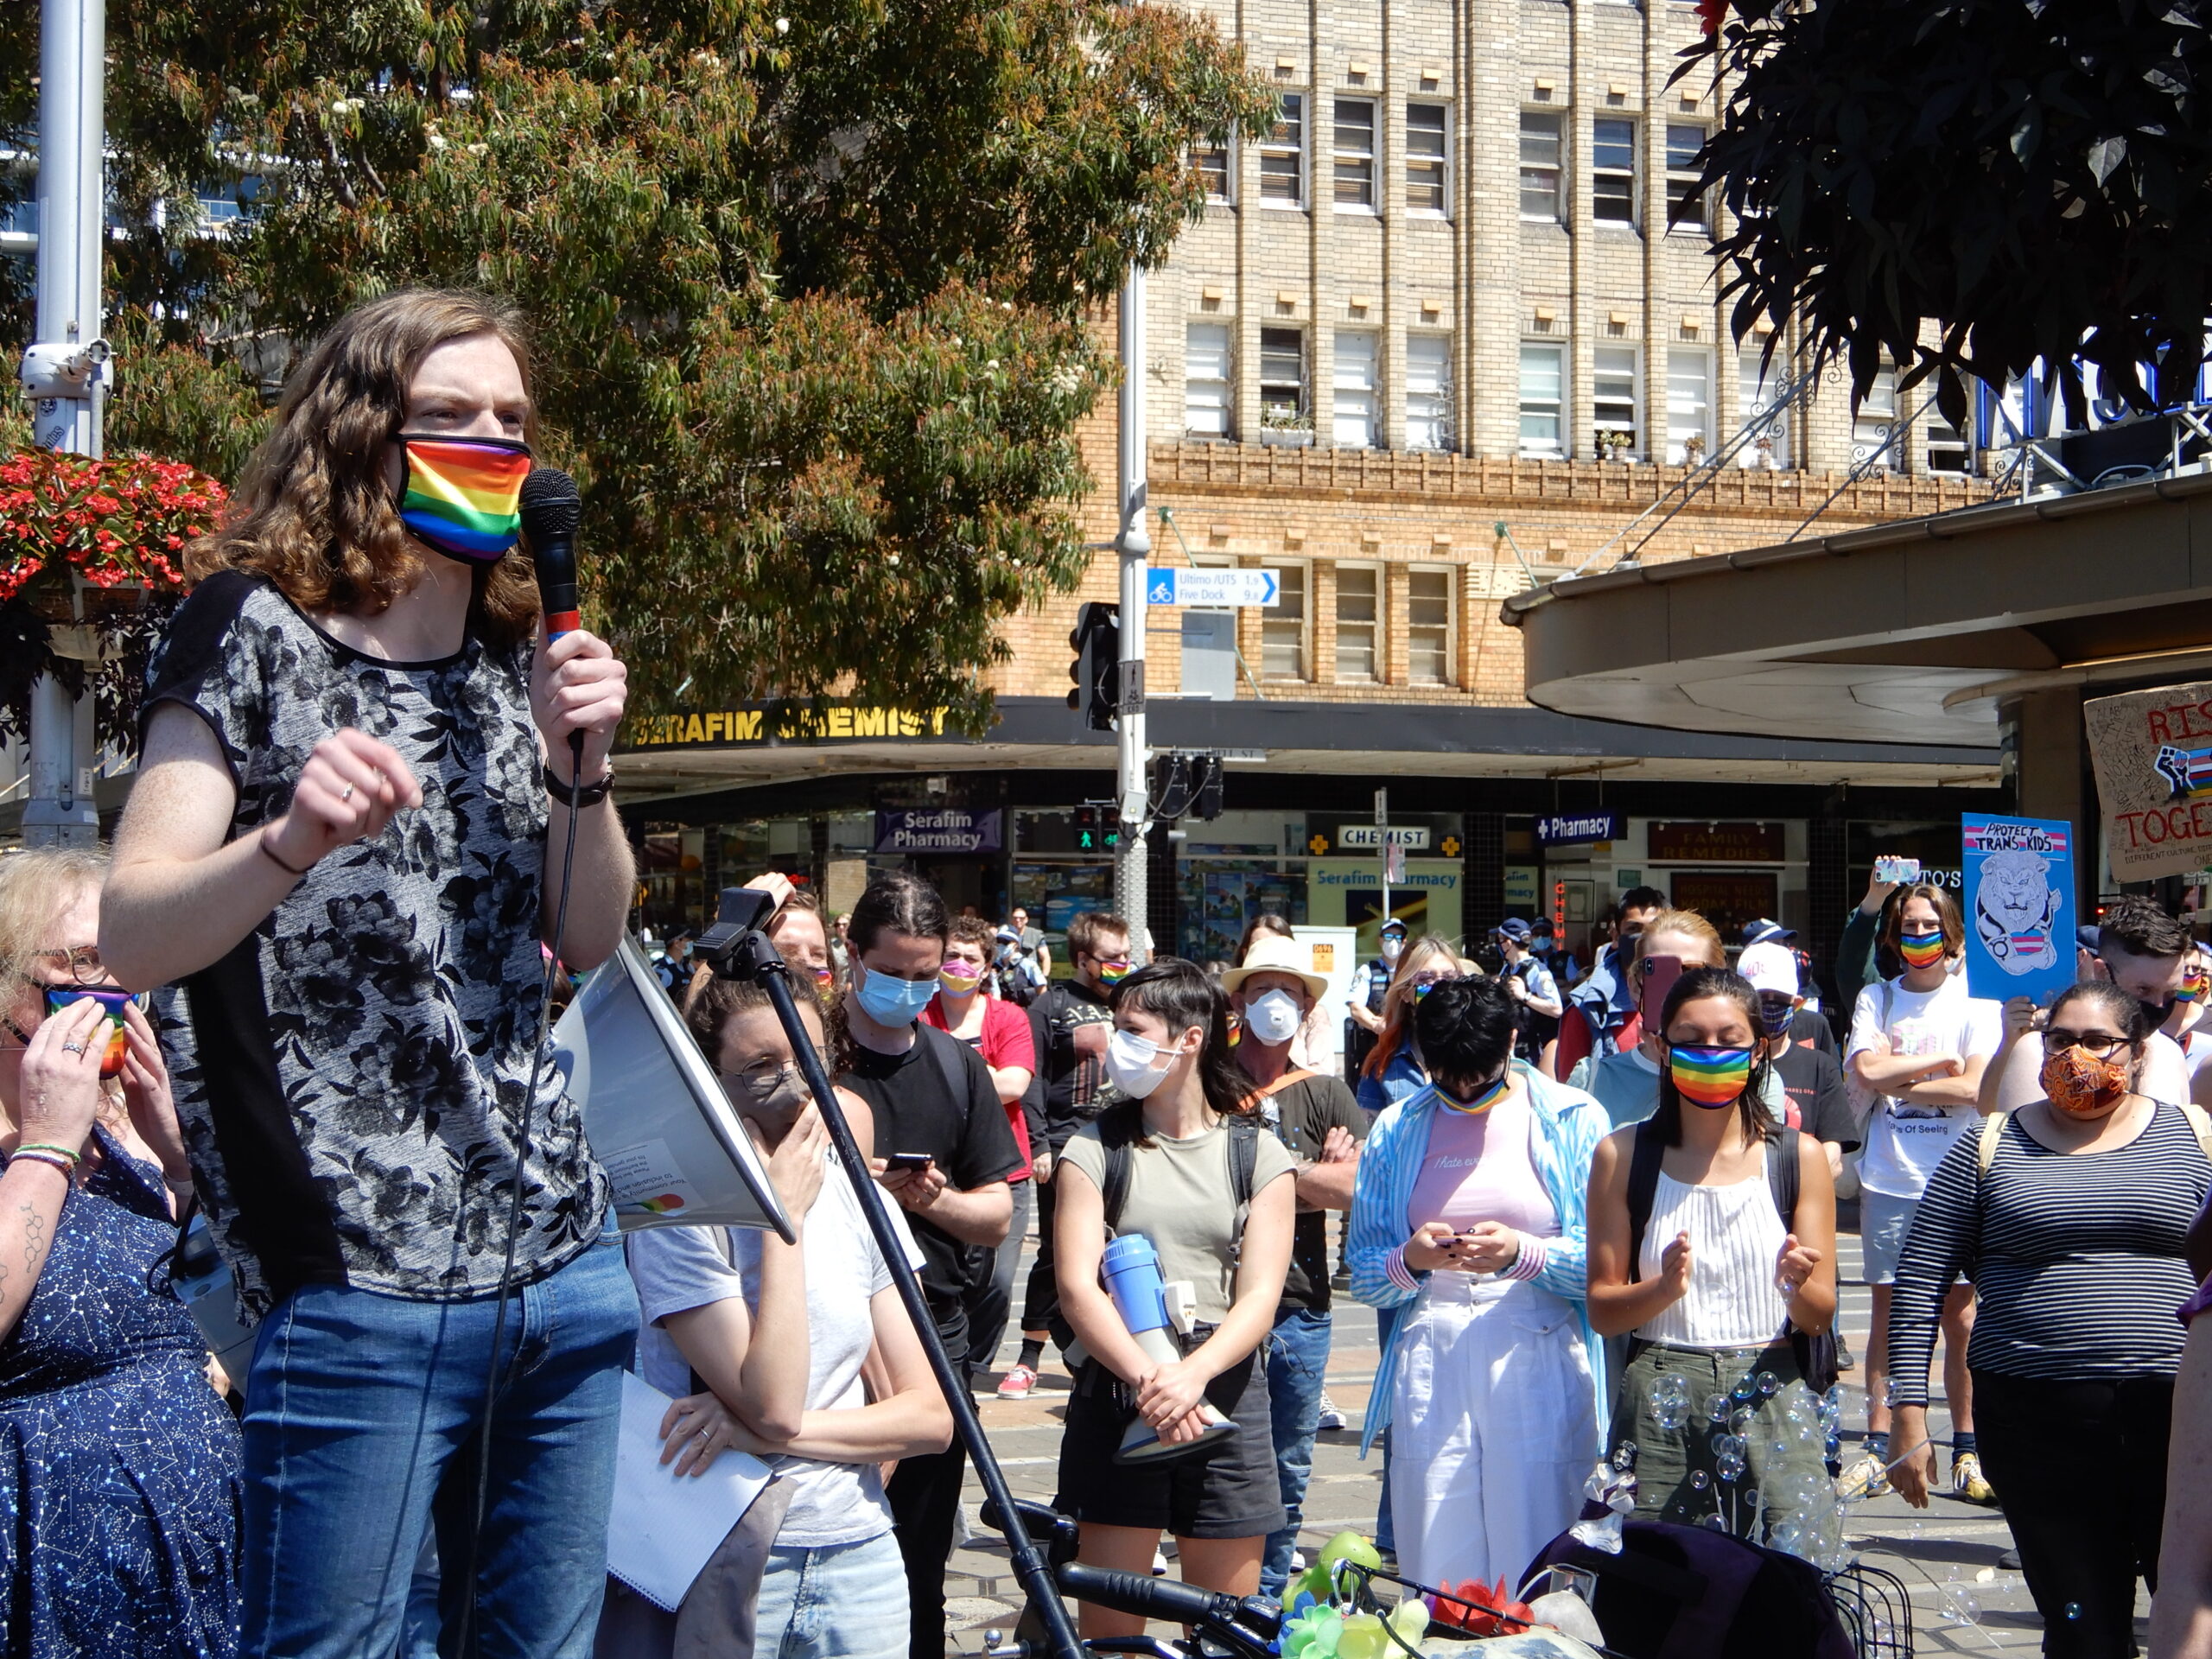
124 519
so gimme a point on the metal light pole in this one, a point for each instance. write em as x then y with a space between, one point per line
1133 549
65 375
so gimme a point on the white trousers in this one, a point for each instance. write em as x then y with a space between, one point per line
1493 1429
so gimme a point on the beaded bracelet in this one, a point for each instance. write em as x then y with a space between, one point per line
66 1166
49 1146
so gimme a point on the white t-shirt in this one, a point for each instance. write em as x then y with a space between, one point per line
677 1268
1905 1140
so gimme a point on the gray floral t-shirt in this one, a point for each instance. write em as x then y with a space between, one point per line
350 1076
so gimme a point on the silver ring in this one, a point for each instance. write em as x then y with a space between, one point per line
72 1048
347 793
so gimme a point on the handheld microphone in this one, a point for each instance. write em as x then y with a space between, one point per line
552 509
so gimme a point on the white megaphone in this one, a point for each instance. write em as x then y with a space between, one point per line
1131 1270
674 1151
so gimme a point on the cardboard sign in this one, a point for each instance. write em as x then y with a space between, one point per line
2154 755
2020 907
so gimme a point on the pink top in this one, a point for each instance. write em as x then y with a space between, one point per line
1478 1168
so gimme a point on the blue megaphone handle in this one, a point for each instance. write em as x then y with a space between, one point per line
1131 1269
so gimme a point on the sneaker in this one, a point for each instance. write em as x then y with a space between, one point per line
1968 1481
1297 1561
1862 1477
1159 1562
1017 1383
1333 1415
1845 1359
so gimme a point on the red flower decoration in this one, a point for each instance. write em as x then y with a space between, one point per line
1483 1609
1710 12
114 521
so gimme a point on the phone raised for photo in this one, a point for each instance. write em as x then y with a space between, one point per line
1658 975
1897 870
59 997
914 1162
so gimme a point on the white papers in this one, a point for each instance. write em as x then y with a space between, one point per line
664 1525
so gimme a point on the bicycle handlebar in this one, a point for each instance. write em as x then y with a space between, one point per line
1248 1624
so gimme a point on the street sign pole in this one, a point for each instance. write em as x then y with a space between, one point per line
1133 546
64 373
1382 823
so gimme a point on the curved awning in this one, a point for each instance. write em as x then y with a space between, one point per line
1903 634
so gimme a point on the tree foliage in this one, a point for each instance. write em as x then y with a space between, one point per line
2021 179
814 286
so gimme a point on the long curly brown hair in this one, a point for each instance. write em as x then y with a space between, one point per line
313 512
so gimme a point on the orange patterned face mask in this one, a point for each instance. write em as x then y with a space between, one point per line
2082 1085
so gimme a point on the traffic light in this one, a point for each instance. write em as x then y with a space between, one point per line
1097 829
1097 670
1206 803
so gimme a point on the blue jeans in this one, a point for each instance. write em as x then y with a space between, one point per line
361 1430
1298 1358
842 1601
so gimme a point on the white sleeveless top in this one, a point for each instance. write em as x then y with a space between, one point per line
1735 1242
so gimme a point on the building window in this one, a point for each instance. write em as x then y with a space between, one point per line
1282 627
1283 157
1539 148
1359 611
1282 380
1354 387
1541 386
1206 380
1689 405
1612 172
1210 162
1760 408
1355 154
1947 449
1685 192
1871 421
1428 626
1426 150
1613 400
1428 391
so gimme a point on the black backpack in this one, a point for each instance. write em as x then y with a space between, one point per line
1816 1352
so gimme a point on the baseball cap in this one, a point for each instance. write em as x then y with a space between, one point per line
1007 934
1769 966
1395 924
1512 928
1763 931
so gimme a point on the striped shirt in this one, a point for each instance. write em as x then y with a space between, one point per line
2075 1258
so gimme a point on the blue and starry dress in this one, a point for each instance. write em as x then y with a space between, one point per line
119 1463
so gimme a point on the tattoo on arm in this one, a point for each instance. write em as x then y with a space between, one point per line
33 1236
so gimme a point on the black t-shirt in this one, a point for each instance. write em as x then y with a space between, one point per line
1302 1113
916 1110
1813 1083
1076 1085
1809 1025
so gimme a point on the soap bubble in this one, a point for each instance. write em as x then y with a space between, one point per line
1716 1408
1744 1387
2073 1610
1752 1499
1714 1523
1731 1467
1700 1480
1788 1537
1768 1383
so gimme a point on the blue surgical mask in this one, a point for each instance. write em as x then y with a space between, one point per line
891 1002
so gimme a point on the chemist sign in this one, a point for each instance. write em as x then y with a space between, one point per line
2152 751
1212 588
937 830
1573 828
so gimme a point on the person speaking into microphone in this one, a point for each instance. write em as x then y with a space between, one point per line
342 853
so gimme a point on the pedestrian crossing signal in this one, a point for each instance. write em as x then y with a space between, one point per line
1096 671
1097 829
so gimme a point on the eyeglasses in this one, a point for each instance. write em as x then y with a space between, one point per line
2095 1044
1428 976
80 962
761 1078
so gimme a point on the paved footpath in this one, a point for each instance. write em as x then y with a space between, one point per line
1947 1556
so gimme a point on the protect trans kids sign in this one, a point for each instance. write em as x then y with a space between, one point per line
2019 897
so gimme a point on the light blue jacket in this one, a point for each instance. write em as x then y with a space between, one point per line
1569 1125
1403 1077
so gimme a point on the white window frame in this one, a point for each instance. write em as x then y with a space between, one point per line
1303 419
1682 418
1377 644
1365 396
1451 674
1555 448
1226 197
1273 146
1687 180
1425 172
1434 431
1225 382
1605 361
1871 421
1555 169
1275 620
1757 407
1361 163
1938 436
1599 172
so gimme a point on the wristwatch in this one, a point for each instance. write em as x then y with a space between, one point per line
576 797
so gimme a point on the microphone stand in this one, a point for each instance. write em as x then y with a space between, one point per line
751 956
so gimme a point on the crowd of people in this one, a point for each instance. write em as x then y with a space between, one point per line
301 1007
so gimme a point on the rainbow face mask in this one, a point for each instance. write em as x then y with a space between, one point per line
2194 988
1921 950
1482 1101
463 495
1711 1077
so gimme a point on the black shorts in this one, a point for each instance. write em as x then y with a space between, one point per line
1235 1493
